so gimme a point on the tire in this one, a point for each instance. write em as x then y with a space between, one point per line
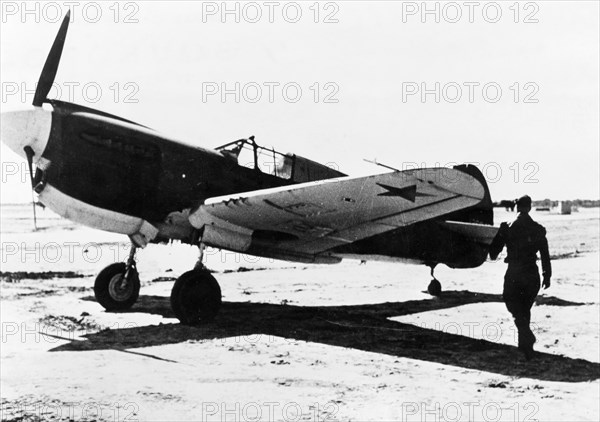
108 291
196 297
434 288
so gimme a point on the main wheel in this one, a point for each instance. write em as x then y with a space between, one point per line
114 292
196 297
434 288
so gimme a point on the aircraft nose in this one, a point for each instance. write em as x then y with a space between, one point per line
19 129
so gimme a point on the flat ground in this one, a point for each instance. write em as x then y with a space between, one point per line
292 342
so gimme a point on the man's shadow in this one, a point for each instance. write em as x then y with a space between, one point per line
361 327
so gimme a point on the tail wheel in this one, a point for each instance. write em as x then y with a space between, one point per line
434 288
196 297
115 292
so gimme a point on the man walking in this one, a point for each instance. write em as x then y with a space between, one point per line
523 239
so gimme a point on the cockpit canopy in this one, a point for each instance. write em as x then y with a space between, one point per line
247 153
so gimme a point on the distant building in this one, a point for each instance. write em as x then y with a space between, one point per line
564 207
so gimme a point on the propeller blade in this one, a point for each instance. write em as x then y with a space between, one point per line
51 66
29 153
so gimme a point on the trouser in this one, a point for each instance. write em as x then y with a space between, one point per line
521 286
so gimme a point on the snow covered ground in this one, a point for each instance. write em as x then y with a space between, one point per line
292 342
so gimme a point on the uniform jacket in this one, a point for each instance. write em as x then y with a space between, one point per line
523 239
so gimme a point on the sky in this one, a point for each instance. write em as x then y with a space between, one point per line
511 87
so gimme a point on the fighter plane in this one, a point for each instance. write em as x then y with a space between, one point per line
112 174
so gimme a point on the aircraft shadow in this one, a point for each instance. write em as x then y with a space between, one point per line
361 327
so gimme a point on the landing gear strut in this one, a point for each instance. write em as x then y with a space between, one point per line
196 295
117 286
435 287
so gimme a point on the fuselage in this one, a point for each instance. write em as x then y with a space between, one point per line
115 175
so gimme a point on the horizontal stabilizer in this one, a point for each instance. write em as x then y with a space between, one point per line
481 233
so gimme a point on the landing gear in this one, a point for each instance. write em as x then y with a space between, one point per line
435 287
196 295
117 286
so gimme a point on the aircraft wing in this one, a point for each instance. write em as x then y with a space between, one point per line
314 217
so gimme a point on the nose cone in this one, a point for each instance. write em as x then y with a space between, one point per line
19 129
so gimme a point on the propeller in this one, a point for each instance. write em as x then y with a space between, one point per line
29 153
41 92
51 66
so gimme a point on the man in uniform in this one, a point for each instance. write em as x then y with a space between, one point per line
523 239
